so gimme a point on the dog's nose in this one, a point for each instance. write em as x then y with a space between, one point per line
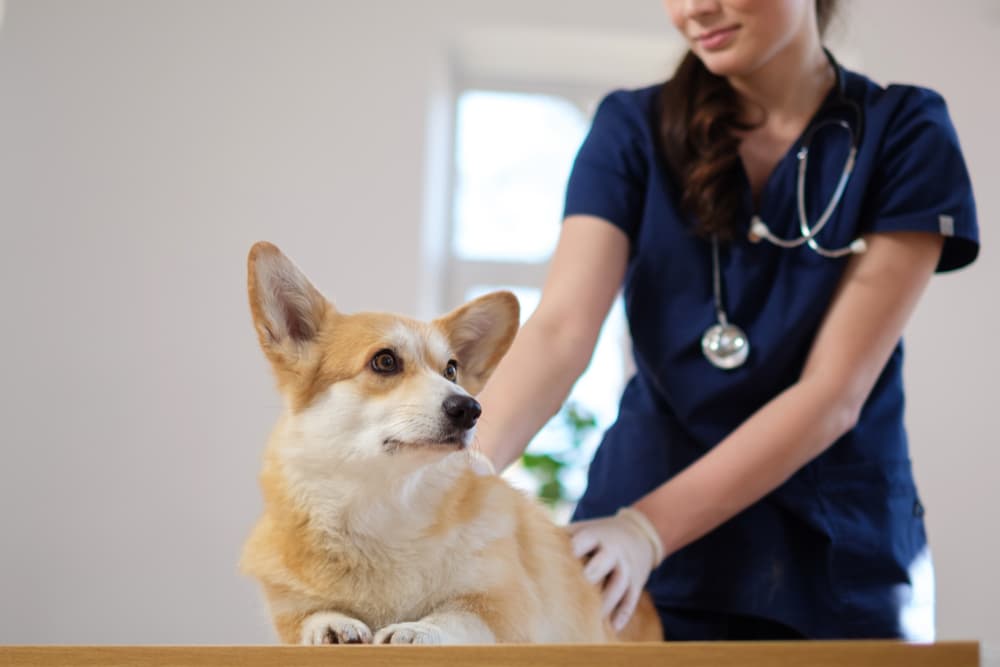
462 411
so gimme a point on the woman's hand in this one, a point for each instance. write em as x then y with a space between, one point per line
621 551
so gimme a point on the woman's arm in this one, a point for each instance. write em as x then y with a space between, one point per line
556 343
879 290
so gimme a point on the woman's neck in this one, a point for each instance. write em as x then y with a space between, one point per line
791 85
780 98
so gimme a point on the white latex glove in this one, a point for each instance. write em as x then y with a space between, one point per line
621 551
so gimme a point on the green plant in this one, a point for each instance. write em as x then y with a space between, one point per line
547 468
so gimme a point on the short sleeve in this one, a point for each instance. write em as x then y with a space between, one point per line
921 182
611 169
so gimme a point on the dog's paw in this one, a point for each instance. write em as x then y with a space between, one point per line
410 633
329 627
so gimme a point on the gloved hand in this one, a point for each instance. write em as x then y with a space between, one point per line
621 551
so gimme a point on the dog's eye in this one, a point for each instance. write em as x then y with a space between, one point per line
451 371
385 362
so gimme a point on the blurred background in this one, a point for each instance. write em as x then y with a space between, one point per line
407 155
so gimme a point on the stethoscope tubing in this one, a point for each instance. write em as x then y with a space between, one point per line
808 233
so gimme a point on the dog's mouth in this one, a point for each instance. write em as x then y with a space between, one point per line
452 442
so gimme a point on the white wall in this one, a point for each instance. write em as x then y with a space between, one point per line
950 374
145 144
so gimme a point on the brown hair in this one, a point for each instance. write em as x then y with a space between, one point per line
699 115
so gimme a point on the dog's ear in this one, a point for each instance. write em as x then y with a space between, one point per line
480 332
288 312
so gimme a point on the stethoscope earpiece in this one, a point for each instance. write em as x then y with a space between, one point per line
759 231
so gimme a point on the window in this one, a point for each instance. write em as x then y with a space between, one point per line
513 155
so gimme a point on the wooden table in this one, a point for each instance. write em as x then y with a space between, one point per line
716 654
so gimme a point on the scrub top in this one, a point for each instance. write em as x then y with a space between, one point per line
839 550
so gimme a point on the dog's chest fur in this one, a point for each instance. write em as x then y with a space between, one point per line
407 539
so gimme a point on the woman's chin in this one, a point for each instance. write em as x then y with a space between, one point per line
725 63
739 58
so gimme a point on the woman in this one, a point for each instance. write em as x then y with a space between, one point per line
759 477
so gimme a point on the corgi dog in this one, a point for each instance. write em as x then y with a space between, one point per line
380 523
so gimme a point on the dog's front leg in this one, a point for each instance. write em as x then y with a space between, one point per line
451 624
330 627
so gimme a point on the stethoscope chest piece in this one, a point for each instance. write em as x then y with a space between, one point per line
725 346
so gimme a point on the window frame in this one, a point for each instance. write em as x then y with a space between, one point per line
461 275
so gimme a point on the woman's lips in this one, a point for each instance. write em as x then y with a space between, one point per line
717 39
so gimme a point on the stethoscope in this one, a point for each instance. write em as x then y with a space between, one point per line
726 345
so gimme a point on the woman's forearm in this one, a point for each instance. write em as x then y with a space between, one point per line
529 387
751 462
556 343
863 324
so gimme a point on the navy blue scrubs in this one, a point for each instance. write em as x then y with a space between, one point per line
839 550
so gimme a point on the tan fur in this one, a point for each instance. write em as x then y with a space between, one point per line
381 534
